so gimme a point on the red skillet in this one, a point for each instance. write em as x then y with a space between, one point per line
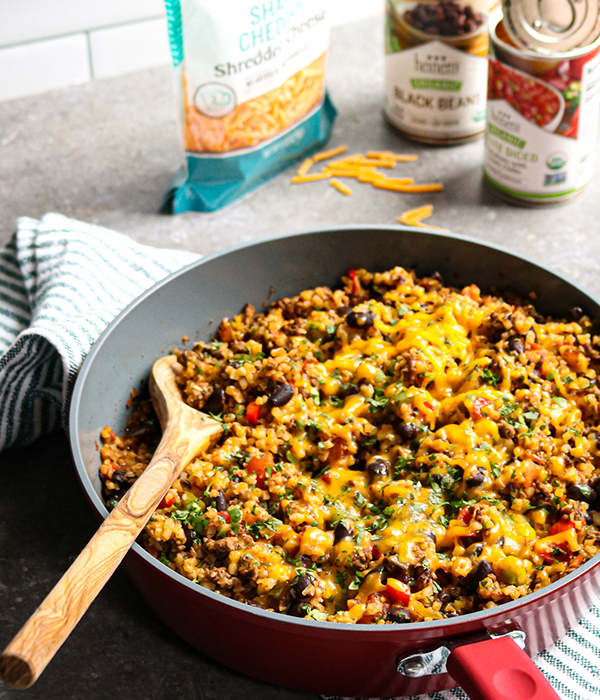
480 651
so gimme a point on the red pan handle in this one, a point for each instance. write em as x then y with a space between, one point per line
498 669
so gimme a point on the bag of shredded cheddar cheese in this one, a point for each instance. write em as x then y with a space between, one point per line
250 78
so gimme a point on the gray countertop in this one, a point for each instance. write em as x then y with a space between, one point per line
105 153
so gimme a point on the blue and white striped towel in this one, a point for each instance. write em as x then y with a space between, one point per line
61 283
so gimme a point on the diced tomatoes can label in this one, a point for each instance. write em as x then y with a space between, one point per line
542 120
436 69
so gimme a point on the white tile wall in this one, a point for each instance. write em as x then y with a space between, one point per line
129 47
49 44
27 20
43 65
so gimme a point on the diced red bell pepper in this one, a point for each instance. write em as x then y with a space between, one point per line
465 515
225 515
354 278
258 466
561 526
397 591
564 556
252 413
428 405
376 553
168 500
478 404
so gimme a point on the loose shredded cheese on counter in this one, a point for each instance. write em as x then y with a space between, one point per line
363 169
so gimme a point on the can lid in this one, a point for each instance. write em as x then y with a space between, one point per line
551 26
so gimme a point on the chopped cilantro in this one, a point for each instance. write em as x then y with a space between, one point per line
359 499
378 401
490 377
248 358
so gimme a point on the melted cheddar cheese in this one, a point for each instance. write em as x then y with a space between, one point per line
394 450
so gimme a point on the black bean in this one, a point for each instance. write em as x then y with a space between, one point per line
189 539
221 502
588 517
468 540
516 346
236 479
299 609
406 431
477 601
398 570
300 586
422 581
343 310
215 402
306 561
477 549
446 19
379 570
342 532
359 466
481 571
500 542
575 313
352 390
378 467
282 395
477 479
443 578
119 477
581 492
398 614
360 319
444 597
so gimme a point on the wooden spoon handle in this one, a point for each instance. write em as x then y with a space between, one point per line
35 644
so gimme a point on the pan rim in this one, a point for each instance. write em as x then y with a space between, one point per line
267 616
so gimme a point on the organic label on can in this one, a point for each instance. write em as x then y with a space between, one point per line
542 122
436 69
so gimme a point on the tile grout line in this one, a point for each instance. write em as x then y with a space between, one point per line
89 54
82 31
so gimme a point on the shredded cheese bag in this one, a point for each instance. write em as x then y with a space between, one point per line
250 78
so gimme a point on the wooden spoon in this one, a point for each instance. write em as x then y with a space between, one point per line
186 433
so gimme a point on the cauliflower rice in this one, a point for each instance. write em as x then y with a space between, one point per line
393 451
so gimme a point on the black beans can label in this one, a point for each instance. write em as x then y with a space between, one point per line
542 119
436 69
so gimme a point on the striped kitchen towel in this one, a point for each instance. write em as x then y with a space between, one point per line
61 283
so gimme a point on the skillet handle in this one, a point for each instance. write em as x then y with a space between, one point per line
498 669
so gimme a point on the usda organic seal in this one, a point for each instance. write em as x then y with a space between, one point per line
557 161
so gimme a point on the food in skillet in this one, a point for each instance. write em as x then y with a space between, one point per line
393 451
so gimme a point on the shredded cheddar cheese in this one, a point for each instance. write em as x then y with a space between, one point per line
363 169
